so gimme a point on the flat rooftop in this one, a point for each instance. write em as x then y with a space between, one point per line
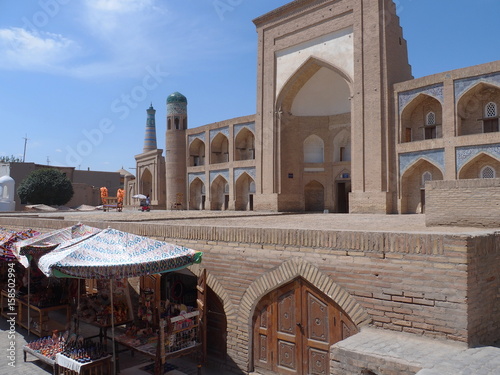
244 219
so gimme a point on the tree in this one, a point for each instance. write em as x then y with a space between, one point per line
46 186
10 159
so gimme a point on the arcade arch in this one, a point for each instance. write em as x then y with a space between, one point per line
245 190
197 195
219 149
413 185
244 145
197 153
475 167
422 119
219 194
478 103
146 182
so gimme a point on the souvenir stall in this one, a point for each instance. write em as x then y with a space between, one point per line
114 255
35 296
42 296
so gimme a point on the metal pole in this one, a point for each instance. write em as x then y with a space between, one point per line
113 325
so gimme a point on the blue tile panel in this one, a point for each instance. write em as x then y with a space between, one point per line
436 157
436 91
200 136
223 172
463 85
250 126
239 171
466 154
194 176
214 132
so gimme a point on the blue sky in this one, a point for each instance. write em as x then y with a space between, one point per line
76 76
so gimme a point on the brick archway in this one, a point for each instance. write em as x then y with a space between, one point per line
282 275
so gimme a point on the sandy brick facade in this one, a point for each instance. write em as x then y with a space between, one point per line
441 286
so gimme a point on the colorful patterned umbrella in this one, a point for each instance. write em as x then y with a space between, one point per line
9 238
112 254
46 242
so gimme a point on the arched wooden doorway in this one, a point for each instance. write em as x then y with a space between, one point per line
293 329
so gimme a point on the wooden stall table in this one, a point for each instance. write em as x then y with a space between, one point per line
40 315
41 357
68 366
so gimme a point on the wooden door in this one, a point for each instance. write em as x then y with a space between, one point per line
294 328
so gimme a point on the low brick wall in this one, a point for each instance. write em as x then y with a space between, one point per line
430 284
466 203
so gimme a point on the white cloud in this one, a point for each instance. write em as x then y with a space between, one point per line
120 6
22 49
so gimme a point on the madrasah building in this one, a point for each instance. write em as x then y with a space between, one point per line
340 125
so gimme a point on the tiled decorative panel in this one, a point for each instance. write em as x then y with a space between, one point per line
250 126
239 171
223 172
466 154
176 109
462 85
436 157
200 136
194 176
214 132
436 91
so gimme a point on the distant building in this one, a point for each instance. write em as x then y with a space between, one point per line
86 184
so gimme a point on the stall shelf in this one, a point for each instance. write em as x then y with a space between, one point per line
42 325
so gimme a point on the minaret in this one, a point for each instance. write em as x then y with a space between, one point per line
176 149
150 135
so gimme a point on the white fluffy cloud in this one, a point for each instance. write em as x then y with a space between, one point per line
23 49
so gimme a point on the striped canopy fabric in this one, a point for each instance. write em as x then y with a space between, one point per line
46 242
9 238
115 254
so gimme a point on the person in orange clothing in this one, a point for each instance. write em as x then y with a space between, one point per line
120 196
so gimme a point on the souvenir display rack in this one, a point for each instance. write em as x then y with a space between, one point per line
39 323
95 308
69 354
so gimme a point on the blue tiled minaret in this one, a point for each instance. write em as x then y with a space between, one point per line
150 136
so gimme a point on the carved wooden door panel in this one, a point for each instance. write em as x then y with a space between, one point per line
294 328
288 341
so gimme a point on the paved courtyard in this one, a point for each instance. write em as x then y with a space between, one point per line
245 219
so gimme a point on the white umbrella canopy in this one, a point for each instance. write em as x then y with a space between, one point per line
139 196
112 254
44 243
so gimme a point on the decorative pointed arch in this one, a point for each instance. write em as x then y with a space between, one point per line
197 152
244 193
290 270
416 116
219 149
244 145
303 74
218 195
472 169
471 106
197 194
412 180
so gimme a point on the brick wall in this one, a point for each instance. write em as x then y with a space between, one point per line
473 203
435 285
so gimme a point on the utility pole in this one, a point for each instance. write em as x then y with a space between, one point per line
25 142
